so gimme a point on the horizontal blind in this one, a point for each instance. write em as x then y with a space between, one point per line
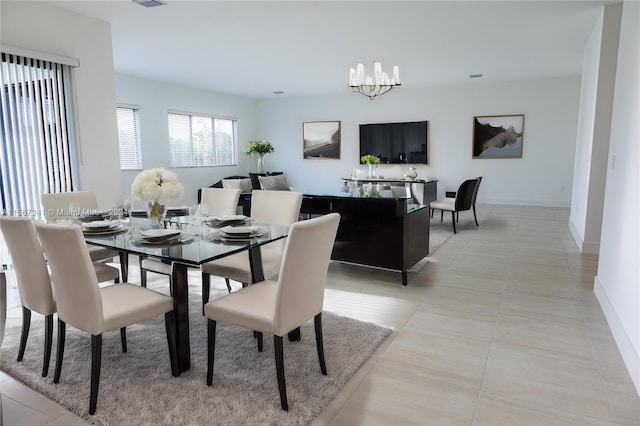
201 141
129 138
180 140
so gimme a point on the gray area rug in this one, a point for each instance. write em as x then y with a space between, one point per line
137 388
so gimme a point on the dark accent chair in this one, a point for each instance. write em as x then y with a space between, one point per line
464 200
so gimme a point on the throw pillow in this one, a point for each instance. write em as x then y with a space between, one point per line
244 185
274 183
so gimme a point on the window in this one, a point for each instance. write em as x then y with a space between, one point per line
37 154
129 138
201 141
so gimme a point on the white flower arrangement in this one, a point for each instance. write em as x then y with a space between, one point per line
158 185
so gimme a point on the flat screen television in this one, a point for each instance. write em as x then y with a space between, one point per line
396 143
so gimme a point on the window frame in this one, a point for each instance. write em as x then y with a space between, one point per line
137 133
215 149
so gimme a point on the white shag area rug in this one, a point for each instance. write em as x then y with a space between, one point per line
136 388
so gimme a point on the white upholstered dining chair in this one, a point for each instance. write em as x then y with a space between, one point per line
86 306
56 207
34 283
270 207
278 307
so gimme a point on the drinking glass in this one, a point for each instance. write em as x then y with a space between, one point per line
74 210
127 205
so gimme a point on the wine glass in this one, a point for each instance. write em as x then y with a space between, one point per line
127 205
74 210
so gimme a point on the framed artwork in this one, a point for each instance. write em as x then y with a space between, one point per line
498 136
321 140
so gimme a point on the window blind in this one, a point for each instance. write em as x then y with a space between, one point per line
36 152
129 138
201 141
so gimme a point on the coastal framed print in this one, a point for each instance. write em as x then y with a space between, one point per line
321 139
498 136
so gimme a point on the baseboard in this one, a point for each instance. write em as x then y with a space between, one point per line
575 233
583 246
630 357
536 203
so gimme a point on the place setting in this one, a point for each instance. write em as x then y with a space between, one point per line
91 216
102 228
236 234
227 220
162 237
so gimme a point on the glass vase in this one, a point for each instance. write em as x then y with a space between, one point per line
261 163
156 213
371 173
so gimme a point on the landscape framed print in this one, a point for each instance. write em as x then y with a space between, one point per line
498 136
321 139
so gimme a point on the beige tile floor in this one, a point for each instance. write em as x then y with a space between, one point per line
501 327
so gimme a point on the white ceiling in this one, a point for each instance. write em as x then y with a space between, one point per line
307 47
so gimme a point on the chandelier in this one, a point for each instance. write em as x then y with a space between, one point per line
374 86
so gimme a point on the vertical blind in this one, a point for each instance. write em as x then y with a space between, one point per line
129 138
35 156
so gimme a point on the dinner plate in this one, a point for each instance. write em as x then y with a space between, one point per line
90 233
215 223
230 217
99 224
159 235
90 218
239 230
180 238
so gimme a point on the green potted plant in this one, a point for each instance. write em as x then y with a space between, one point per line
371 160
260 149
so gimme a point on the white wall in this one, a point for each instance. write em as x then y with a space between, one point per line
617 284
542 177
155 99
594 126
37 26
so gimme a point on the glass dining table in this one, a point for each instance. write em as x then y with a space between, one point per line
191 251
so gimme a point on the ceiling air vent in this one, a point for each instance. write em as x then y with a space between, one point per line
149 3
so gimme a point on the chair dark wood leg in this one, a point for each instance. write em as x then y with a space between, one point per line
295 335
48 339
474 215
260 340
453 221
431 213
26 324
206 287
62 328
123 338
317 320
96 363
441 215
279 353
124 266
170 325
211 349
457 216
143 272
226 280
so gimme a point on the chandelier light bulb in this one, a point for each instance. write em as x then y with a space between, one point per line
373 85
